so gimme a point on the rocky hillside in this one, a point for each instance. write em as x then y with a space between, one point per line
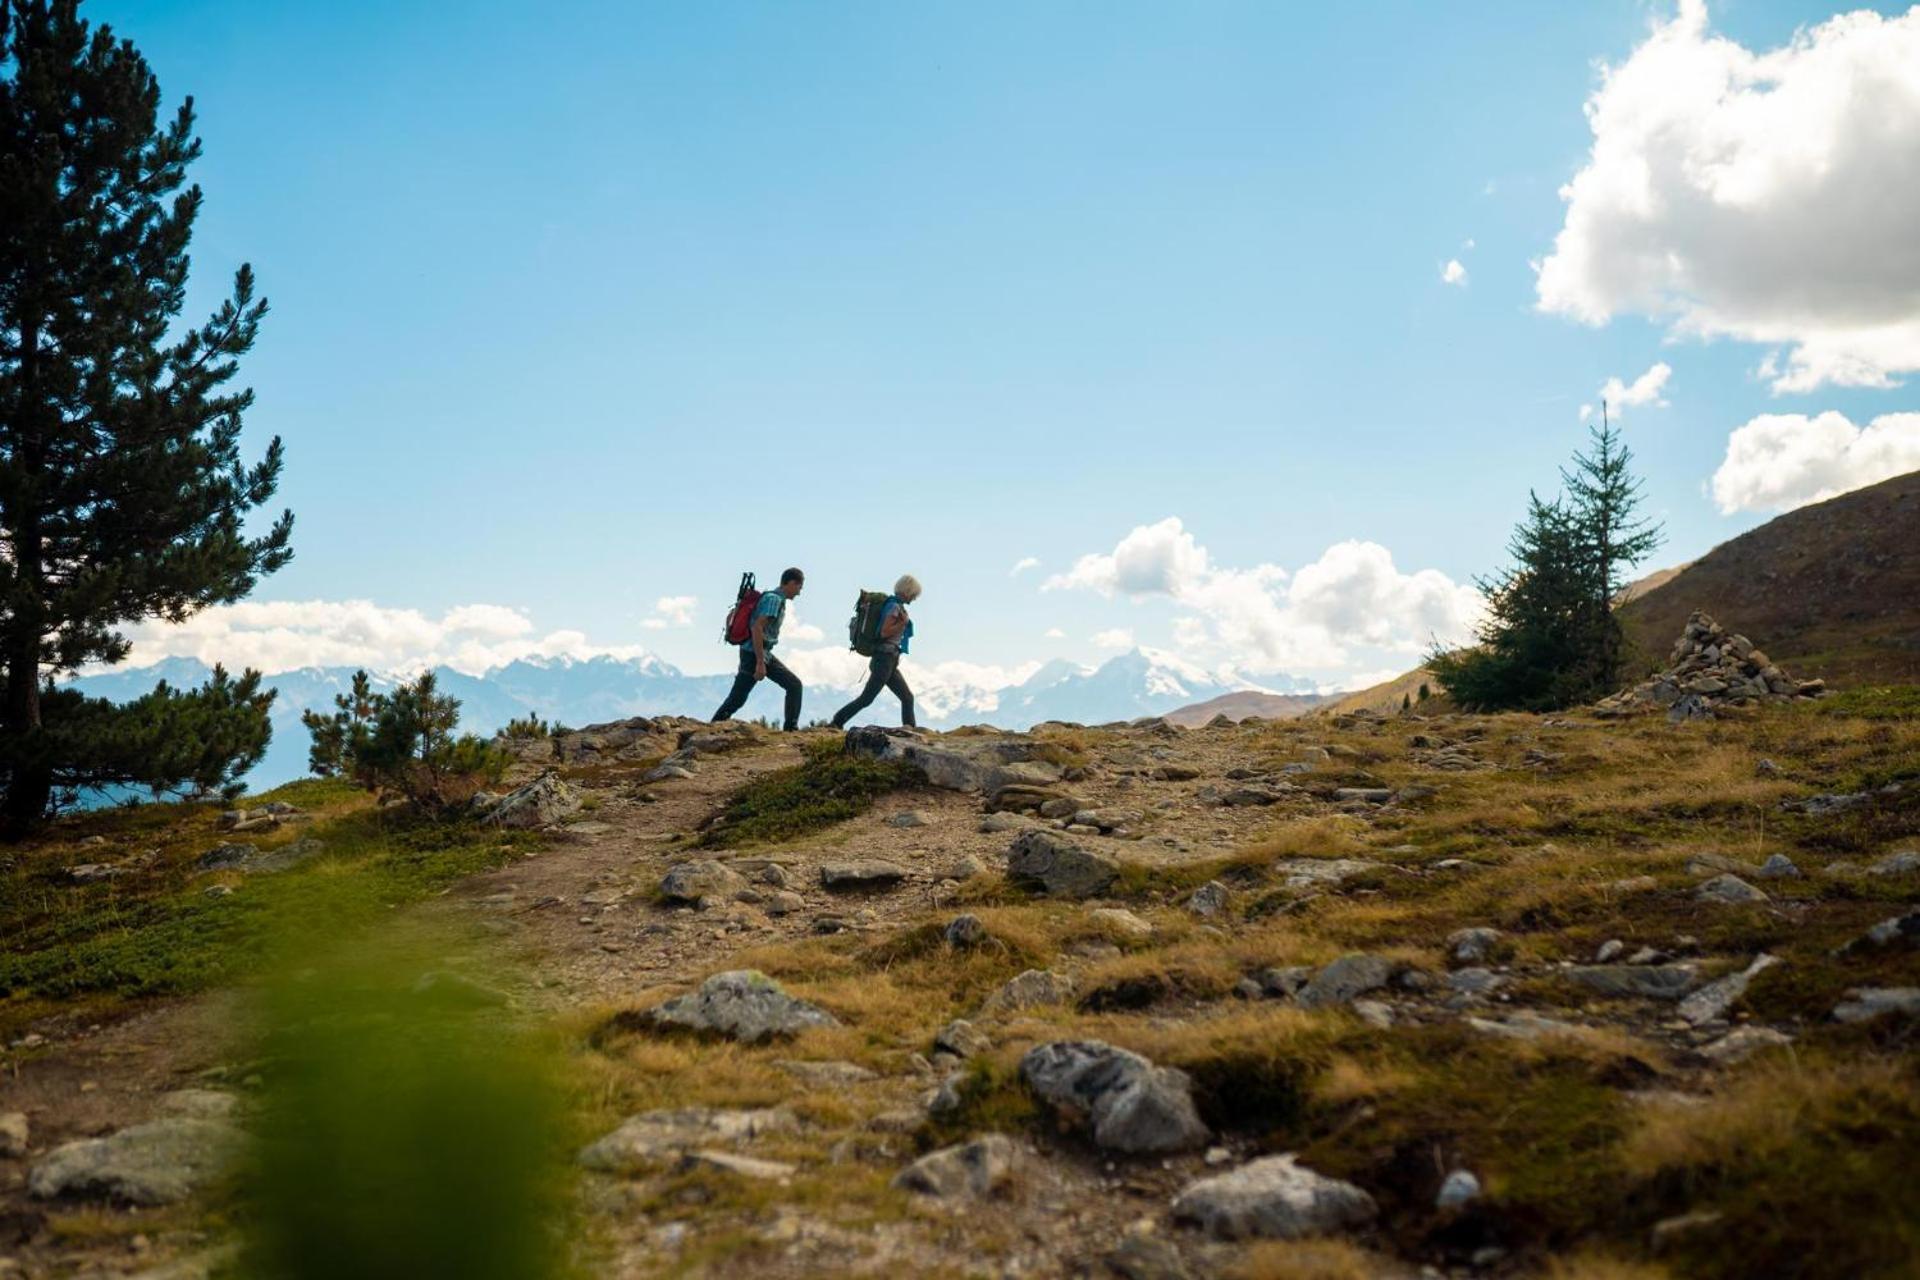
1247 704
1831 590
1363 996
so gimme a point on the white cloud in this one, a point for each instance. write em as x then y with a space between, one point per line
1054 633
672 611
1779 461
1115 638
1023 564
1453 272
1769 197
275 636
1154 559
1261 618
1646 390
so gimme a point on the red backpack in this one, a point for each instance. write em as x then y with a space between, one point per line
739 628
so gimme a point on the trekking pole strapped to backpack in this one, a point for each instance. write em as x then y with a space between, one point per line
739 628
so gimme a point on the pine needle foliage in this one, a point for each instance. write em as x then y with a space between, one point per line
1550 638
123 493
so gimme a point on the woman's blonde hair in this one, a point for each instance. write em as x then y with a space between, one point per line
908 588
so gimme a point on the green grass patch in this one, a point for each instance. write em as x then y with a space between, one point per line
157 930
830 786
1882 702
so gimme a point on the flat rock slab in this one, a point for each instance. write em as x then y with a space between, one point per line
160 1162
1742 1043
1313 873
1649 981
736 1165
653 1136
742 1004
1732 890
1032 989
1059 867
1713 1000
1868 1003
1274 1199
975 1168
987 763
1130 1104
865 875
1349 976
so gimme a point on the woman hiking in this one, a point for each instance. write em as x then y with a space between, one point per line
883 669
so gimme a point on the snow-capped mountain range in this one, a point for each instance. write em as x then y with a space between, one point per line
579 692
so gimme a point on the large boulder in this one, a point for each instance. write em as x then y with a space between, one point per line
1276 1199
1056 865
743 1005
541 803
1129 1104
160 1162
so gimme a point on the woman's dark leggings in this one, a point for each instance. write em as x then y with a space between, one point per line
883 672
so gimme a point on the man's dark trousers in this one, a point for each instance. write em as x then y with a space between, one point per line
743 684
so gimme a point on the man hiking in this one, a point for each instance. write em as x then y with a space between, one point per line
757 662
883 669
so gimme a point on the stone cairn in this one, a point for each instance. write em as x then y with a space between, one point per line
1710 668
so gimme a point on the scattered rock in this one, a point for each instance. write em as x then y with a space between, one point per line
1130 1104
1363 795
1121 921
1058 866
1778 867
826 1074
543 802
1668 1233
783 902
1274 1198
975 1168
1609 951
1472 946
989 763
160 1162
1742 1043
739 1166
1278 983
1106 820
1522 1025
1143 1257
966 867
1255 796
1895 931
227 857
744 1005
1209 900
1316 873
1031 989
996 823
868 874
1474 981
1905 862
1713 1000
667 773
911 818
1730 889
1460 1188
14 1134
657 1135
1340 982
962 1039
689 882
1652 981
1867 1003
966 931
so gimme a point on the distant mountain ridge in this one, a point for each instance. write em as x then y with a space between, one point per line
576 692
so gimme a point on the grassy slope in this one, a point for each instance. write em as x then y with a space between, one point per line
1804 1156
162 928
1830 590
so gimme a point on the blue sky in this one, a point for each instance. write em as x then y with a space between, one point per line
582 306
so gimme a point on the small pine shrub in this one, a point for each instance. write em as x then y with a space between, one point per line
530 726
403 744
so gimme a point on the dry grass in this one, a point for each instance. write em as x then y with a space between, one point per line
1306 1260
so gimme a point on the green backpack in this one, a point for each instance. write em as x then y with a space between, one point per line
863 631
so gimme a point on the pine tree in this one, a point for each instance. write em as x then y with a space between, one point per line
1604 495
1550 638
402 744
122 489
